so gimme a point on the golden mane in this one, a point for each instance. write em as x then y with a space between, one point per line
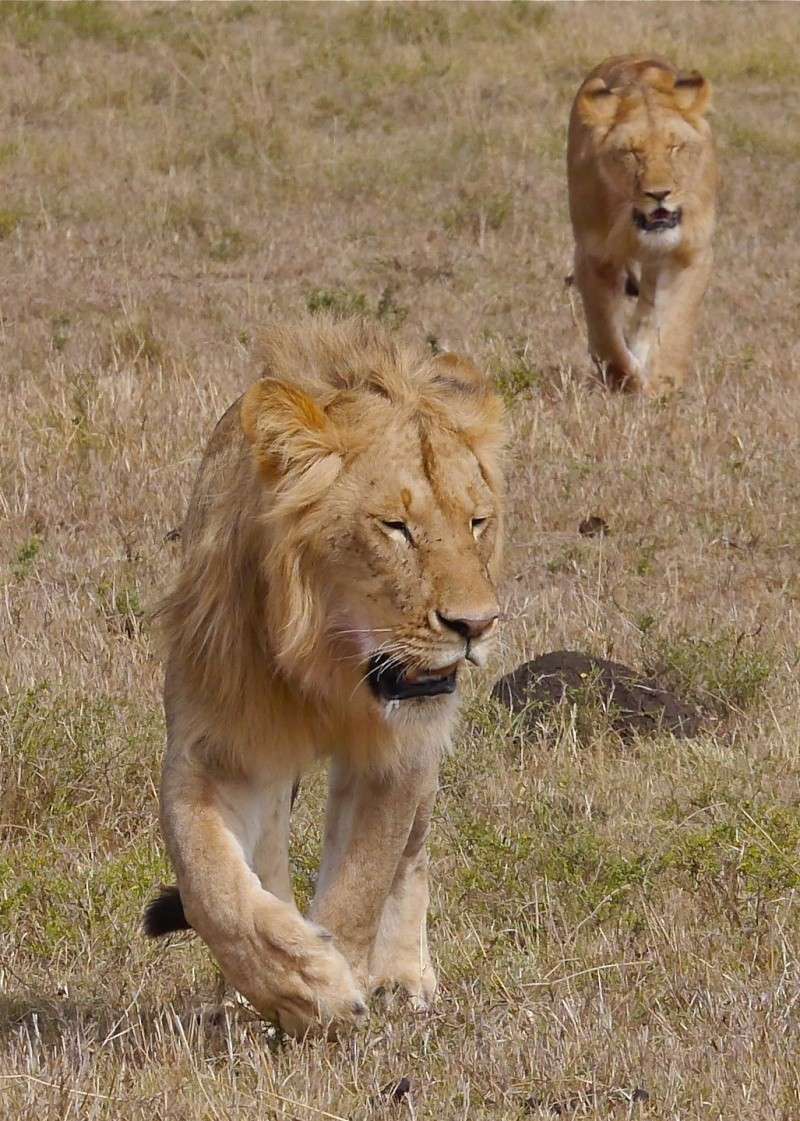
244 595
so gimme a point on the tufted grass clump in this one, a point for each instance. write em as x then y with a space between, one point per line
727 672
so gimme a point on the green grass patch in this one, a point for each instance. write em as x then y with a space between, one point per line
340 301
501 867
344 302
59 23
727 672
67 758
60 326
25 560
10 218
78 818
135 341
121 607
519 376
229 245
757 850
476 213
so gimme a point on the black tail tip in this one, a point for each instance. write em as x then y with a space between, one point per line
164 914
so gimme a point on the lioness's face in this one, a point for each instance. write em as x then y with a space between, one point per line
652 144
410 561
656 169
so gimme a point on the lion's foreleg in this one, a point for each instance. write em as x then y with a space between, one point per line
400 951
368 825
283 964
271 852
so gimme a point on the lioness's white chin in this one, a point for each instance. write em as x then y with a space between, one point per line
659 240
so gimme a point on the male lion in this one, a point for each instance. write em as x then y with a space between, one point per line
642 187
340 553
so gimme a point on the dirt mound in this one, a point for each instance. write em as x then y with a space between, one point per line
633 703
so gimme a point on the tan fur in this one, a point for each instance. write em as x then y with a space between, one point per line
291 580
638 128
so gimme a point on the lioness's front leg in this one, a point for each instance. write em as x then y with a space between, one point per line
602 288
374 859
283 964
668 323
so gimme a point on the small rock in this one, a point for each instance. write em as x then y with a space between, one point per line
593 526
396 1090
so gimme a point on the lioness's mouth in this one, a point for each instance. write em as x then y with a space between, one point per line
658 219
392 682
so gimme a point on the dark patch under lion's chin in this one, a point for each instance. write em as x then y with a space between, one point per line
390 682
660 219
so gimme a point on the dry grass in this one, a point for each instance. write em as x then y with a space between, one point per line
605 917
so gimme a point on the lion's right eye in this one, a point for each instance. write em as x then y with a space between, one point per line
398 529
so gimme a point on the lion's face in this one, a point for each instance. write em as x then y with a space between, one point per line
650 145
397 549
409 560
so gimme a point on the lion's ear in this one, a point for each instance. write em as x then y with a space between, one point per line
692 93
597 104
452 371
286 427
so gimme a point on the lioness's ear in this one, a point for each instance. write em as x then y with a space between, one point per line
597 104
692 93
286 427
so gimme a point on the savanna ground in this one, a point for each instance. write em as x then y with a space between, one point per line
607 917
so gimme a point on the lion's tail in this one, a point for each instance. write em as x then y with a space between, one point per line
164 914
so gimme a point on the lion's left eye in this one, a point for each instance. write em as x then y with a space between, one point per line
398 529
479 525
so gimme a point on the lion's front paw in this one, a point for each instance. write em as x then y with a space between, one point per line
290 968
322 994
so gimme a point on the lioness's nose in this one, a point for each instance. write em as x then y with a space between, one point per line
659 196
470 626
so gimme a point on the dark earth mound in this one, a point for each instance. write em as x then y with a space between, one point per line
634 704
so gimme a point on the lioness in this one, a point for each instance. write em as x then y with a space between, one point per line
642 188
339 558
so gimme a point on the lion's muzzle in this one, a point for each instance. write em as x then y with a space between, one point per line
391 681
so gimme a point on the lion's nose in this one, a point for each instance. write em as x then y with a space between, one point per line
659 196
469 626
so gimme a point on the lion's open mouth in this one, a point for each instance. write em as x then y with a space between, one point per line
658 219
391 682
